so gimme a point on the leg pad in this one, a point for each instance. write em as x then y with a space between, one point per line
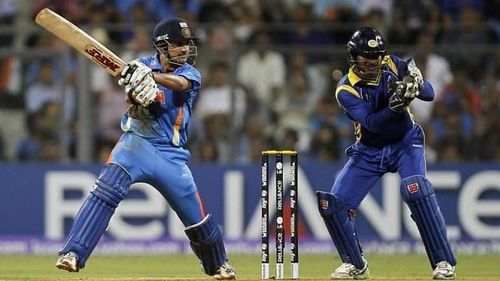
341 227
93 217
418 193
207 244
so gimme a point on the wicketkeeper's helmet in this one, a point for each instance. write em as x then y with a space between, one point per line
175 31
367 42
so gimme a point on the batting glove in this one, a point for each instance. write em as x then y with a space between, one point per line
144 93
133 73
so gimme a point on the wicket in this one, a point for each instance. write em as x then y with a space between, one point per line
280 230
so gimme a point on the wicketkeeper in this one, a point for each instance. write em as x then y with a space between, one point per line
375 95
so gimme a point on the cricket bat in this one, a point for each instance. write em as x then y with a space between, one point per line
80 40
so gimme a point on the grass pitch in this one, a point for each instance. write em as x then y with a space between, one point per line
185 267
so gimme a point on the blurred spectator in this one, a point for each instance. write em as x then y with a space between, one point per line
110 108
50 149
460 94
331 10
384 8
409 18
253 140
3 156
294 107
208 152
156 10
290 140
470 30
213 11
8 12
375 17
218 96
435 69
452 146
71 9
10 76
43 89
324 144
139 45
273 11
28 149
216 130
302 29
450 9
316 75
278 95
244 20
262 71
103 150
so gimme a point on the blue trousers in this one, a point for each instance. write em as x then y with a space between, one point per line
165 168
366 165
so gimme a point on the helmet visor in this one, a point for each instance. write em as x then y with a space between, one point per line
368 67
178 53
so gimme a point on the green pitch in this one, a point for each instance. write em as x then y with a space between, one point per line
185 267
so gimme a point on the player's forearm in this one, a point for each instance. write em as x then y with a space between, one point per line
376 121
171 81
427 92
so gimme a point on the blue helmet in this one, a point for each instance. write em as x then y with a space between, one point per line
175 31
368 43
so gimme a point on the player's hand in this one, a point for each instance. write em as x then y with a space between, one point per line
397 103
415 73
144 93
133 73
407 89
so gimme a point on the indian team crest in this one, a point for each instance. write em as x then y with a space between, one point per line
372 43
185 30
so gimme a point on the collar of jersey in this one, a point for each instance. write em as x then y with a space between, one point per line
156 65
354 78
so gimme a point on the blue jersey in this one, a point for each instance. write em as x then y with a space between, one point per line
366 104
171 113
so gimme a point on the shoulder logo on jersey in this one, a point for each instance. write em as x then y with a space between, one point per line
160 97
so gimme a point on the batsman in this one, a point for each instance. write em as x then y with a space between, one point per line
375 95
161 90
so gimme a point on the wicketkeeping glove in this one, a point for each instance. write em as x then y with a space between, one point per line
133 73
397 104
403 93
415 73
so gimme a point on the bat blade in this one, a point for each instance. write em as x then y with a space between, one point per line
80 41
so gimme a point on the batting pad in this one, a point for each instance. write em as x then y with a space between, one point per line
341 227
418 193
207 244
93 217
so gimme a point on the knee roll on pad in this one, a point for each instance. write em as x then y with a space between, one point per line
112 185
418 193
207 244
93 217
341 228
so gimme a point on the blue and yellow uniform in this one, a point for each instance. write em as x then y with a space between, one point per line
387 141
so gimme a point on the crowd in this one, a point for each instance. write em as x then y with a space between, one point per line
270 68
